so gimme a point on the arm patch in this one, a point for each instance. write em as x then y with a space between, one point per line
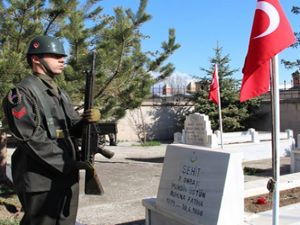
14 97
19 113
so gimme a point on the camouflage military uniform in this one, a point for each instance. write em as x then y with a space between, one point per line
43 168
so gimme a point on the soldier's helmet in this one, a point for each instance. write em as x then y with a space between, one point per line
45 45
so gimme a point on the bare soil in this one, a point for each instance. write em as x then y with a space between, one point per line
10 207
264 202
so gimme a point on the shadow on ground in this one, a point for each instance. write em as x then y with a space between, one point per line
111 162
252 171
138 222
151 160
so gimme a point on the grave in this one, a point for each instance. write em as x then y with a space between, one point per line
295 161
295 157
198 186
177 138
197 131
253 144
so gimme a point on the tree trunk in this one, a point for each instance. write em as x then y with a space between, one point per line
3 157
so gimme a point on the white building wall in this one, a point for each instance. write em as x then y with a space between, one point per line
160 119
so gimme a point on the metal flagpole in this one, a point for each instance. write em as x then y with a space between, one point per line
275 102
220 108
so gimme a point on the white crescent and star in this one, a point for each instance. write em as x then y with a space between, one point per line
273 15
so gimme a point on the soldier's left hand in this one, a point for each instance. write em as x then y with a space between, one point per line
92 115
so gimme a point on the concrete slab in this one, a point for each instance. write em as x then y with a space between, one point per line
288 215
256 187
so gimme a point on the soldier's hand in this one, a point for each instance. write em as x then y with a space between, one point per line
92 115
84 165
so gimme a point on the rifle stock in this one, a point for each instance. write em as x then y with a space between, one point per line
90 138
92 184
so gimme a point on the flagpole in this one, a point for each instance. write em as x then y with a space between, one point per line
220 119
275 102
263 46
220 110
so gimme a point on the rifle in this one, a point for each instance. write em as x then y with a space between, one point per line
90 138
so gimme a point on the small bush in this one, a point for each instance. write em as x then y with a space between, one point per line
150 143
9 222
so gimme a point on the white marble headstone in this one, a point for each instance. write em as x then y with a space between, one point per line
198 130
295 161
202 186
177 138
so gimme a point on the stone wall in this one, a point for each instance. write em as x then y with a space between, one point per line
161 120
289 116
161 115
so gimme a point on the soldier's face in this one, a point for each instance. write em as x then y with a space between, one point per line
54 62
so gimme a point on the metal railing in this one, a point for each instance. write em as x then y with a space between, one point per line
169 91
158 92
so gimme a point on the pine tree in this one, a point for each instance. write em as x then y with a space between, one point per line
123 70
20 21
235 115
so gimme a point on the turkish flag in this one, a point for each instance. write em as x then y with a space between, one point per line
214 86
271 33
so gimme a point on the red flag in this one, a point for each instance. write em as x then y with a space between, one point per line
214 86
271 33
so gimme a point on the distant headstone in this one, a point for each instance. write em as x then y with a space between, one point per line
177 138
254 135
198 131
183 137
199 186
295 161
290 133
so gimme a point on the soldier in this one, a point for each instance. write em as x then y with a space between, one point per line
45 164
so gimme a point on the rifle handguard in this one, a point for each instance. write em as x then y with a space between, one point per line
106 153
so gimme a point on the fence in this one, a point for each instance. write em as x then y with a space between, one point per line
169 91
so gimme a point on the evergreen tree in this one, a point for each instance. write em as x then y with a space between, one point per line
294 64
235 115
123 70
20 21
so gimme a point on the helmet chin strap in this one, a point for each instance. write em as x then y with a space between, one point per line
46 68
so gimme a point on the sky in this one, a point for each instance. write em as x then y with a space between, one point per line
202 24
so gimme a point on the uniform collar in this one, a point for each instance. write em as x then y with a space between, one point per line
49 82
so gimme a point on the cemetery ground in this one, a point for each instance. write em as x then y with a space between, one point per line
132 175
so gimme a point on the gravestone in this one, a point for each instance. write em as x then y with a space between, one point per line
295 161
198 186
177 138
198 131
254 135
295 157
